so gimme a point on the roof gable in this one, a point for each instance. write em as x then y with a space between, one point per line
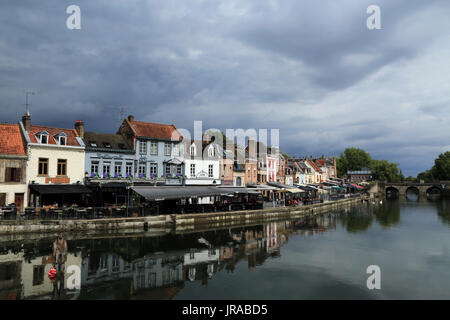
95 140
155 130
11 142
71 134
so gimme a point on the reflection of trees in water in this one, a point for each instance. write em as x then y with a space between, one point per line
358 219
443 211
388 214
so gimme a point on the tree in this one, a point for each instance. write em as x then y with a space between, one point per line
352 159
384 170
441 168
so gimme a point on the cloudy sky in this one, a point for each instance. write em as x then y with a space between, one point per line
309 68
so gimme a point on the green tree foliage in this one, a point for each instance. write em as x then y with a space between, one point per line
384 170
440 170
426 176
357 159
352 159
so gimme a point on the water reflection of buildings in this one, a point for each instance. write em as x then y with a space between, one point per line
36 284
10 275
132 268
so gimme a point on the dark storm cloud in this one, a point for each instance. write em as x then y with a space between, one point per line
311 69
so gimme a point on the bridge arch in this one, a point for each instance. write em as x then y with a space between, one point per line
392 192
412 193
434 191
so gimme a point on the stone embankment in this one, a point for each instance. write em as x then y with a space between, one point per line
177 222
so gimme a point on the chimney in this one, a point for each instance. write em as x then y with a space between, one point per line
26 121
79 127
130 118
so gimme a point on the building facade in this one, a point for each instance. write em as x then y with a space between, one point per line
159 151
13 164
202 162
56 157
107 155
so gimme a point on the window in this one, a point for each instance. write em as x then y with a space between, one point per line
210 170
106 168
42 137
62 167
142 168
117 168
193 150
2 199
107 145
142 147
154 168
167 168
167 148
93 143
152 279
154 148
43 167
94 167
176 151
129 168
192 170
38 275
211 151
62 140
179 168
12 174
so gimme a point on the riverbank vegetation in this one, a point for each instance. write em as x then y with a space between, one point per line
357 159
440 170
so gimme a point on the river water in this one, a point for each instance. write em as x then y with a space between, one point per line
324 257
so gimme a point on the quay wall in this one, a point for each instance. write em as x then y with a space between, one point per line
179 222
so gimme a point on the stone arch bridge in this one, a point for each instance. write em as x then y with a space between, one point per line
422 188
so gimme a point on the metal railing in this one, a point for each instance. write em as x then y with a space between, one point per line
77 213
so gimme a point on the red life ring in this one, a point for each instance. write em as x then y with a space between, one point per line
52 272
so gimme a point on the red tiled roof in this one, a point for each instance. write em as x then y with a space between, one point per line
71 135
320 162
156 130
314 166
11 140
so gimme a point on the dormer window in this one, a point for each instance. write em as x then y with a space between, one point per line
60 138
93 144
193 151
106 144
42 137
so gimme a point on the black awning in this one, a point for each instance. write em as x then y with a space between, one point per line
171 193
59 188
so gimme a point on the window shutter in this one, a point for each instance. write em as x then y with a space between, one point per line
18 174
7 174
